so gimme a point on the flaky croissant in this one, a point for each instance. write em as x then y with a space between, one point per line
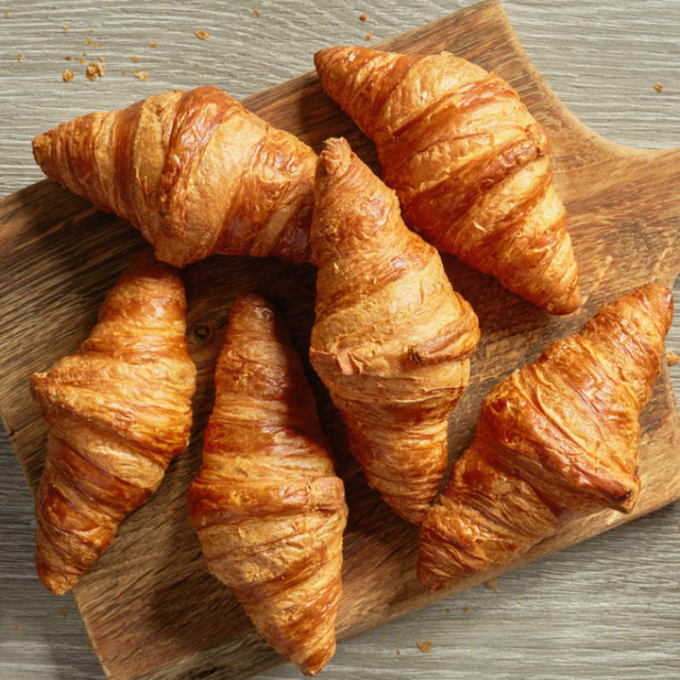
469 162
194 171
117 411
556 437
269 509
391 339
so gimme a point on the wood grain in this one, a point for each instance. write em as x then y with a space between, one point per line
89 287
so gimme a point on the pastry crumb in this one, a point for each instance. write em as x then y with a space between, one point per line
256 12
492 584
20 57
368 36
424 646
66 27
466 610
88 42
18 628
659 87
398 652
154 44
671 357
94 70
142 75
91 31
69 58
447 609
67 76
363 17
201 35
63 612
82 61
134 58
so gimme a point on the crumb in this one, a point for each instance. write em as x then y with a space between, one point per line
447 609
63 612
134 58
671 357
88 42
424 646
659 87
256 12
84 54
18 628
202 35
20 57
91 31
368 36
96 46
54 6
67 76
82 61
142 75
154 44
66 27
94 70
398 652
122 73
466 610
363 17
492 584
68 58
47 16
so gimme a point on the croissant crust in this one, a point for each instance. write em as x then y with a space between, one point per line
194 171
269 510
469 162
391 339
117 411
555 438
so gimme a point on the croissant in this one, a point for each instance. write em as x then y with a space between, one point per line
117 411
269 509
391 339
194 171
556 437
470 164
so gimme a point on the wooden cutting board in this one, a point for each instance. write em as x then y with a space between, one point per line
150 606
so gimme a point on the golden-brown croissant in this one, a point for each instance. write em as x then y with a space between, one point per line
469 162
558 436
118 410
194 171
391 339
269 509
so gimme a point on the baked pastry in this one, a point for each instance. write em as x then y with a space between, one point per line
194 171
469 162
269 509
391 339
117 411
554 438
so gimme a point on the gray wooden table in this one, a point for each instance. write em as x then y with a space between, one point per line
608 608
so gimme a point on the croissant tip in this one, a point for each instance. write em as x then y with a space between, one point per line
335 156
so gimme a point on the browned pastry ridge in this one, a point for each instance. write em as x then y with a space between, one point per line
269 509
391 339
194 171
554 438
117 411
469 162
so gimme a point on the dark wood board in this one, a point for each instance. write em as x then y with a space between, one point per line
150 606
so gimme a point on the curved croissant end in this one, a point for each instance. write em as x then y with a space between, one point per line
117 411
469 162
269 510
557 436
392 339
194 171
